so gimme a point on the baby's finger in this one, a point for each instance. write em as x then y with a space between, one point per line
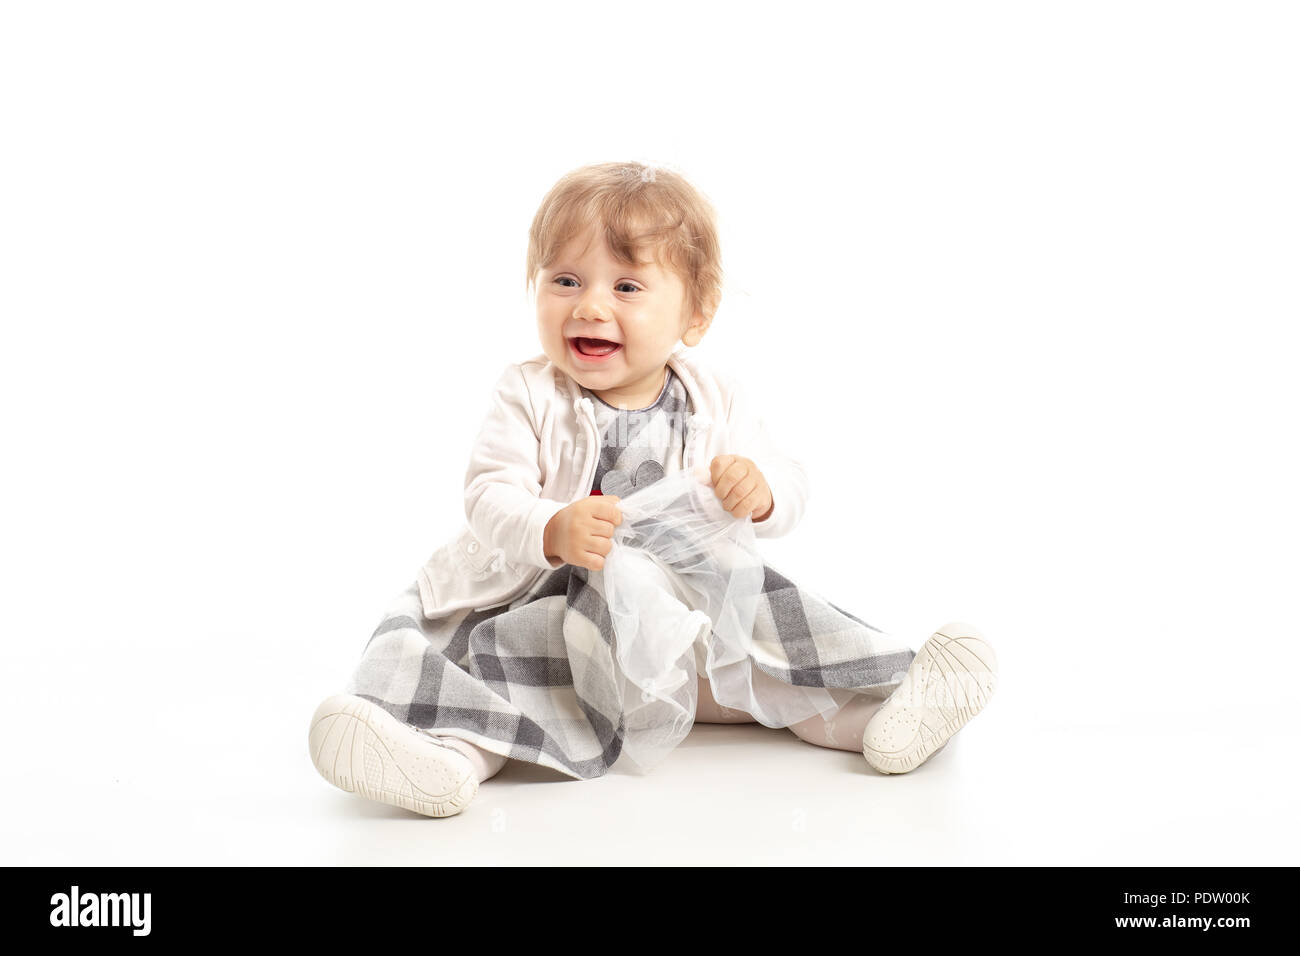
729 478
748 506
608 509
601 525
718 467
740 491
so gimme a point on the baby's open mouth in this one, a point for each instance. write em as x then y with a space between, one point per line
596 347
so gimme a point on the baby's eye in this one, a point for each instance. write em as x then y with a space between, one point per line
563 279
629 286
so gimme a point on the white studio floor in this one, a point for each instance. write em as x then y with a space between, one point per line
173 731
1014 787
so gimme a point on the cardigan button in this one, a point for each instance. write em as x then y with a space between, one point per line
472 548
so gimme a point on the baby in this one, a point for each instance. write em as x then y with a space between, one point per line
502 646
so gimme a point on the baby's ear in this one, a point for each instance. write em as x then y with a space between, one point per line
695 329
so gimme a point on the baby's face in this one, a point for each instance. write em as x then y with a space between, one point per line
587 297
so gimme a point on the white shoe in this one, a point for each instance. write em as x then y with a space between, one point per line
361 748
950 680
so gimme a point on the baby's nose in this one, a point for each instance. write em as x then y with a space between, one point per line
592 315
592 306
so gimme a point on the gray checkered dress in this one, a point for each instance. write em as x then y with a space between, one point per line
503 678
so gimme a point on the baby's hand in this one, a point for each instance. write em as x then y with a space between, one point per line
582 533
741 486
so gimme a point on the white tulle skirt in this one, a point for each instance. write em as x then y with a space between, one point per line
684 584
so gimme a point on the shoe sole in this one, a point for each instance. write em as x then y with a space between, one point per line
361 748
950 680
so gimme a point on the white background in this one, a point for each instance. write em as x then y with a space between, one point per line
1016 281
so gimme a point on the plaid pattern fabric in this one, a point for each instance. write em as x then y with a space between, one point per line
507 678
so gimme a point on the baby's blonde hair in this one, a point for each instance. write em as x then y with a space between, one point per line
638 207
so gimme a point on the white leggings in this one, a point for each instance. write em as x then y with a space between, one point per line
842 732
